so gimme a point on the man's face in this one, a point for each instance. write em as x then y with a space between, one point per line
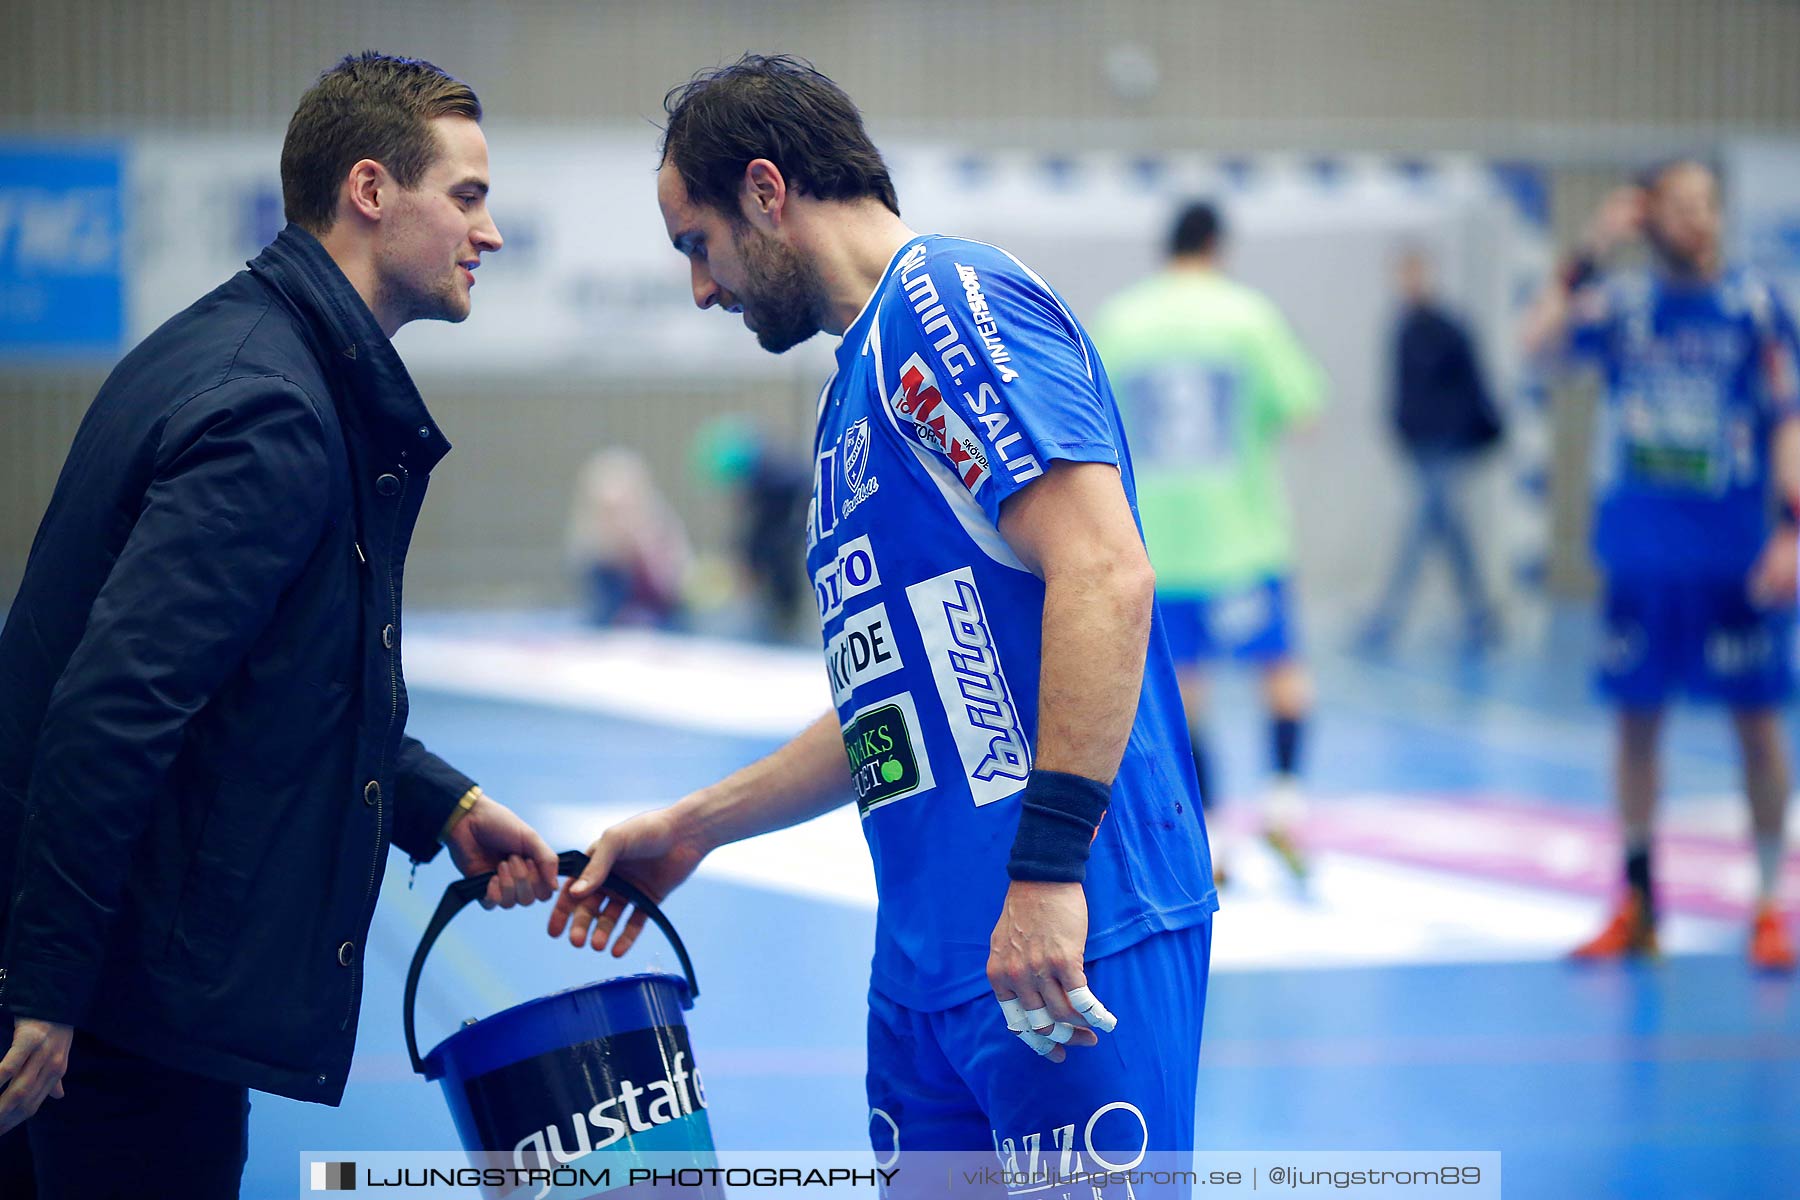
429 248
1684 215
742 269
1414 277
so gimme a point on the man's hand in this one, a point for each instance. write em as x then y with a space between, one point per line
1034 967
653 851
1774 577
32 1069
493 838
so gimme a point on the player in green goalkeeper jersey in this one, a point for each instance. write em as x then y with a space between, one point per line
1209 377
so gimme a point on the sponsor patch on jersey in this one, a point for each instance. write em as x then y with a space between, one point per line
862 650
937 425
886 762
853 572
965 666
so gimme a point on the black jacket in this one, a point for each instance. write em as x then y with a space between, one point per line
1441 403
202 760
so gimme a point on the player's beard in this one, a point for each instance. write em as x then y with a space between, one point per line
1676 260
784 295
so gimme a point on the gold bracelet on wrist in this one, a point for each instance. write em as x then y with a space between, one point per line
462 809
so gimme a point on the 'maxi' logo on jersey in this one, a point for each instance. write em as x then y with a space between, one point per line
937 424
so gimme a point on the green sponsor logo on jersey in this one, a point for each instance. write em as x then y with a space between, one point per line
883 760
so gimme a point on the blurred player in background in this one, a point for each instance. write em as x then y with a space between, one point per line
768 485
627 547
1016 753
1698 476
1210 376
1445 417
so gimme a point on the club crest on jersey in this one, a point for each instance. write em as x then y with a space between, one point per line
825 510
937 425
856 453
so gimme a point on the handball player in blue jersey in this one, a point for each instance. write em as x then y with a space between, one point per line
1006 717
1697 477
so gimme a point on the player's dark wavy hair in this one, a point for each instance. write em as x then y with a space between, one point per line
776 107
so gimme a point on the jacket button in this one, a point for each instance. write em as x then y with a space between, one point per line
388 485
371 793
321 1080
424 431
387 637
346 953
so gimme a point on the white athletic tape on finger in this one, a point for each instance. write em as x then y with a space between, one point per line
1083 1001
1037 1041
1040 1018
1014 1011
1062 1033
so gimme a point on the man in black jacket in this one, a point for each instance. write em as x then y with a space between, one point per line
202 750
1445 417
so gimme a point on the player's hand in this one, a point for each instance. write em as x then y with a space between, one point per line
1619 219
1777 570
652 851
1034 967
32 1069
494 838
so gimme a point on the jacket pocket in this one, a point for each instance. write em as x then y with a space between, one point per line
232 842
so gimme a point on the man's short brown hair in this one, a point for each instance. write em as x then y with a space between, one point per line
369 105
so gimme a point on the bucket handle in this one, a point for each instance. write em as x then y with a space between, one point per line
462 891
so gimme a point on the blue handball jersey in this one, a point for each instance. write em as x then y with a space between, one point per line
959 383
1695 378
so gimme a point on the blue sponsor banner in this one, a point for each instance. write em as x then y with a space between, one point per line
62 234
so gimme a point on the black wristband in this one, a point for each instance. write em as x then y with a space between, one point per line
1058 815
1579 270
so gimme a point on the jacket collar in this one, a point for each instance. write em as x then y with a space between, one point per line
386 404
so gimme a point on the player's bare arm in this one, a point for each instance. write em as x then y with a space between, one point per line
658 850
1777 571
1074 529
1619 219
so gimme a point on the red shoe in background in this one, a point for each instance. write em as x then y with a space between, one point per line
1629 933
1771 946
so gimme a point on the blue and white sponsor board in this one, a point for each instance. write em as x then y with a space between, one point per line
62 238
1763 194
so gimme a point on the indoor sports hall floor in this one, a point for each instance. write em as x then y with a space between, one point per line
1411 998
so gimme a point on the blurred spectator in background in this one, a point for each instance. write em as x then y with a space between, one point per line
1445 417
1699 448
625 542
769 493
1209 376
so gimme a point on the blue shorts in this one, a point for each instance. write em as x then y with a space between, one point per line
958 1080
1702 637
1249 624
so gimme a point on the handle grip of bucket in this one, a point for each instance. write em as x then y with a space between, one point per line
458 895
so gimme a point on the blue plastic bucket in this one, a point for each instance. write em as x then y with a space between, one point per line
592 1077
